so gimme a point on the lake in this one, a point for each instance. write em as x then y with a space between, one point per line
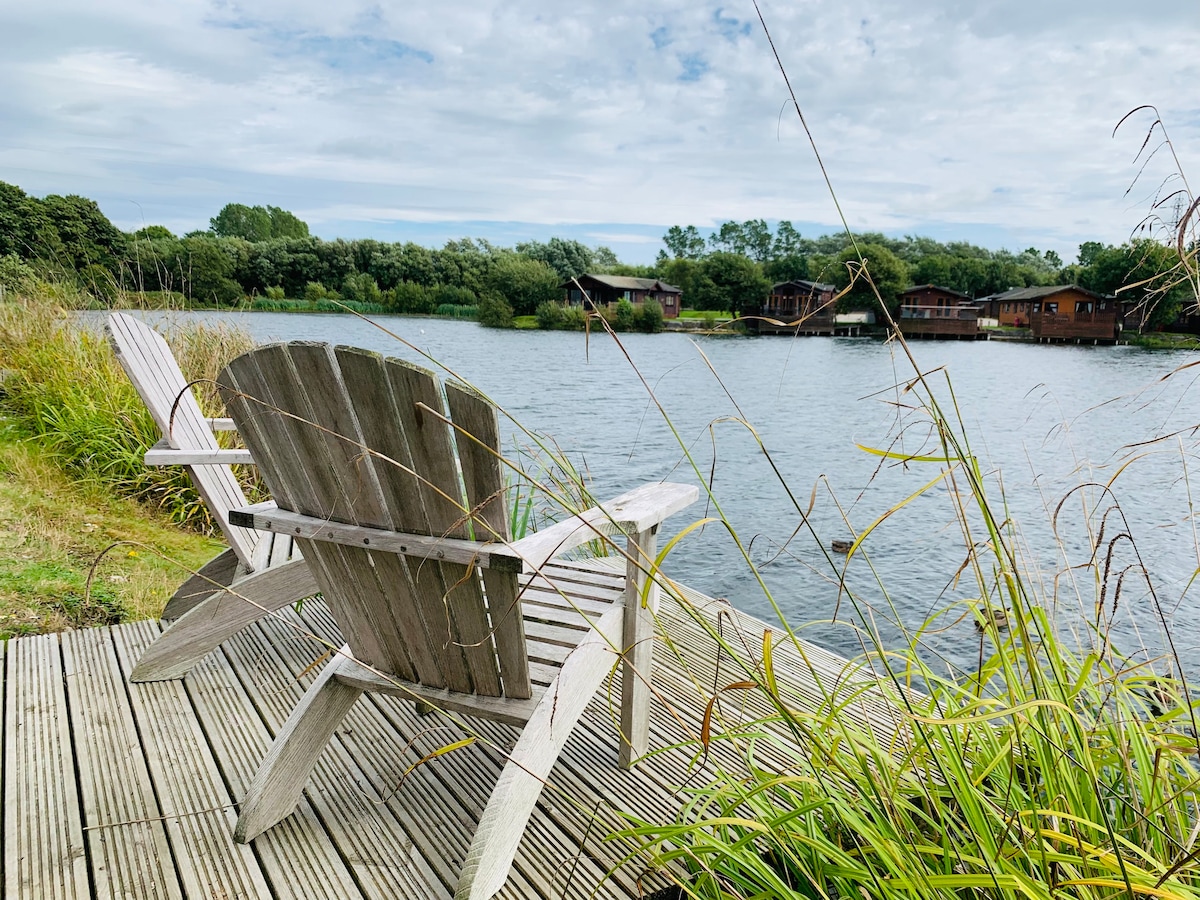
1041 420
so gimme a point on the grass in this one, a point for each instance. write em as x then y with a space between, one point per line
54 530
69 394
1155 340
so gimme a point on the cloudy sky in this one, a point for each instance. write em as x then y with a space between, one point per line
605 122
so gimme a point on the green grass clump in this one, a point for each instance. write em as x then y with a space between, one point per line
66 390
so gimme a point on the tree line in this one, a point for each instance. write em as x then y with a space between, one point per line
268 252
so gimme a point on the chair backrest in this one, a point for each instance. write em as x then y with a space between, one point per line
308 412
150 365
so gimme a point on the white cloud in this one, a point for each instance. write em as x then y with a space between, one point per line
954 118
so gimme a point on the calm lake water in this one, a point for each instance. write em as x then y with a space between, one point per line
1041 420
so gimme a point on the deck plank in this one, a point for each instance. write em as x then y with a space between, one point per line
197 809
151 810
44 854
298 858
130 856
276 665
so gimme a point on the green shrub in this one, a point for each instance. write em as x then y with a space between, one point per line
275 292
494 311
625 316
649 318
550 315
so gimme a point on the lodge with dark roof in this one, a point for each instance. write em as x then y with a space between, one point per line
606 291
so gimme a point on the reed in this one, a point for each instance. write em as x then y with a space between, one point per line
67 391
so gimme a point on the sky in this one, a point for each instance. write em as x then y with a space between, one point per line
514 120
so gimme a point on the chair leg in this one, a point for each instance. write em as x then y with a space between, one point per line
637 643
516 793
197 633
281 777
218 572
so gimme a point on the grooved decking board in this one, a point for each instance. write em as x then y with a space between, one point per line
196 807
150 811
125 835
270 658
298 858
44 856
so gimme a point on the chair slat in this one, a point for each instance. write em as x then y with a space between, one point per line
478 439
417 602
147 360
269 435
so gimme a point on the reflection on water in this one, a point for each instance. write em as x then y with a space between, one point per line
1043 419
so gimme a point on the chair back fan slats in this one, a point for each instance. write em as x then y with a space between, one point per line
385 457
147 360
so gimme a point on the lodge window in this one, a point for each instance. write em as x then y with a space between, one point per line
1085 307
575 295
1037 307
1051 309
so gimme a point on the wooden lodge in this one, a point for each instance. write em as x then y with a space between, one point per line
929 311
606 291
1067 312
798 307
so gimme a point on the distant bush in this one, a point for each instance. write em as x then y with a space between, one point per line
649 318
549 315
410 297
625 317
494 311
275 292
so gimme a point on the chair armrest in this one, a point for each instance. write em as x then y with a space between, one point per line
163 454
221 424
642 509
267 516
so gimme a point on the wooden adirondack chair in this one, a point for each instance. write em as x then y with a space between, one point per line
260 572
399 510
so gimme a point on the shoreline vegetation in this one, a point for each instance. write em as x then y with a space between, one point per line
1058 767
264 258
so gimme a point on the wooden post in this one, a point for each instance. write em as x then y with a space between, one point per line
637 637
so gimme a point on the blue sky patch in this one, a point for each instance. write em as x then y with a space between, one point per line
661 36
694 66
731 28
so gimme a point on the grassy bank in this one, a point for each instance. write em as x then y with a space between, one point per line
54 530
72 480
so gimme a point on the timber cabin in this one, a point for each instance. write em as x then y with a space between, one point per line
1067 312
802 307
929 311
606 291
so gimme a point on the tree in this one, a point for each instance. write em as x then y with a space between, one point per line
523 283
730 281
787 241
286 225
1141 272
888 272
256 223
85 234
153 233
251 223
604 260
569 259
684 243
494 311
1088 251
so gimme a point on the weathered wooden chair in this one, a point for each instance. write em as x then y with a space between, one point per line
399 510
259 572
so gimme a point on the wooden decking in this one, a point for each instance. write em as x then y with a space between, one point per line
114 789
